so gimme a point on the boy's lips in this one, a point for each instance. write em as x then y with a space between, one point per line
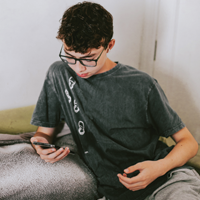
82 75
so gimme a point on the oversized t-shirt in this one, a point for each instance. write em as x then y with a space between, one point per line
115 117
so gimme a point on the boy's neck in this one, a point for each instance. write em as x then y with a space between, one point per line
109 64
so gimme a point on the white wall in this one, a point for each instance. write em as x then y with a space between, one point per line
28 44
175 25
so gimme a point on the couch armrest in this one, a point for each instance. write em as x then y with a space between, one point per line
17 120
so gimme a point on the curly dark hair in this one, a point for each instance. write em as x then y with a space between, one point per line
86 25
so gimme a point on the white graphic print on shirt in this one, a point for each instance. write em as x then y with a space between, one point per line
81 126
68 96
81 129
71 82
76 108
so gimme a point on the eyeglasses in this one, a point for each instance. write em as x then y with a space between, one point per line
85 62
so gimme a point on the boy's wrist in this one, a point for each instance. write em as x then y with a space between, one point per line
164 166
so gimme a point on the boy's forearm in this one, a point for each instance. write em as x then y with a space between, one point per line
184 150
47 133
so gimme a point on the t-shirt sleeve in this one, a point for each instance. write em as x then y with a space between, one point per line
160 114
48 112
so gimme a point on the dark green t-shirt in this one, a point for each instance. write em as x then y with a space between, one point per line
115 117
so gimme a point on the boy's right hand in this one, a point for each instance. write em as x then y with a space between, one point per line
49 155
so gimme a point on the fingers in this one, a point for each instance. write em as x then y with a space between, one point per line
134 184
44 152
51 154
127 180
36 147
132 168
63 154
55 156
38 139
148 173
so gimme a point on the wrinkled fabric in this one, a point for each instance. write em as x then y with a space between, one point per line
24 175
116 118
182 184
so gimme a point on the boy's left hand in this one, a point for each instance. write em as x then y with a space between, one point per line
149 171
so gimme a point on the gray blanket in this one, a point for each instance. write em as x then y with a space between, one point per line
24 175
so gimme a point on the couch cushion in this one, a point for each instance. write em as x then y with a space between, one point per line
17 120
9 139
24 175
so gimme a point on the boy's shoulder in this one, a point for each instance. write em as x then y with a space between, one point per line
136 76
55 67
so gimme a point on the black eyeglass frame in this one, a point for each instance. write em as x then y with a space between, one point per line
80 60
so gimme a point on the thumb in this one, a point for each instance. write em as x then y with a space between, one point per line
131 169
33 139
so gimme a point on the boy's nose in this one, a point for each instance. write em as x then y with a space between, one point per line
80 67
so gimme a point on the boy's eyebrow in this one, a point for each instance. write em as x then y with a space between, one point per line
88 56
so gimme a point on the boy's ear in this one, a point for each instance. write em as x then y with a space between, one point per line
111 45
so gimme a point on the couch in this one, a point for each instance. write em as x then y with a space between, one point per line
25 176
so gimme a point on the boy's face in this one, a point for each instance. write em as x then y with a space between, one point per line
84 71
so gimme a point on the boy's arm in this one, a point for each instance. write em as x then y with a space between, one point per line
43 132
186 147
46 135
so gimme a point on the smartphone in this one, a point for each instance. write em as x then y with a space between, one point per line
47 146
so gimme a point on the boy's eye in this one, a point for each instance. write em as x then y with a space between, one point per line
89 59
70 60
89 62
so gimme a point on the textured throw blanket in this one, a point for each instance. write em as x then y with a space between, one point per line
24 175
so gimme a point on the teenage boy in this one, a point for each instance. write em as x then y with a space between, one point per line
116 114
